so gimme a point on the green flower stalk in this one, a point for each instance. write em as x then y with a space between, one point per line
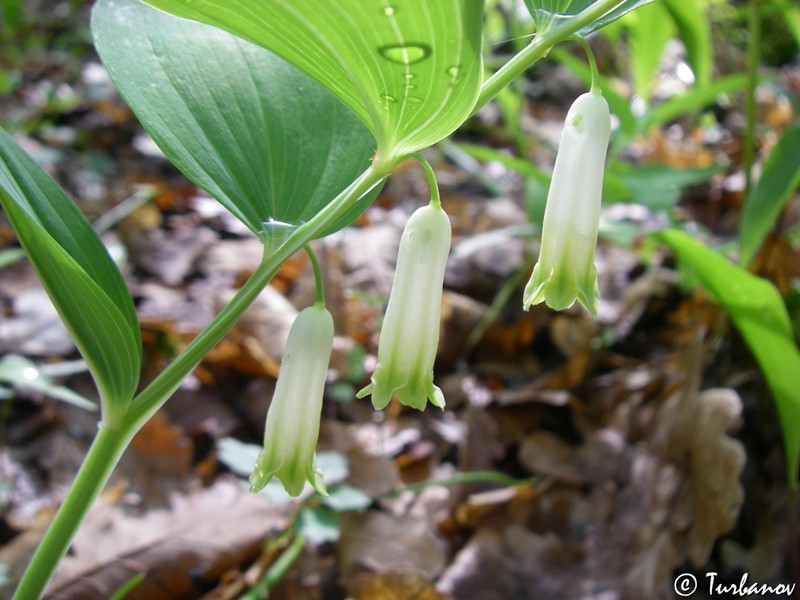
410 334
292 429
565 271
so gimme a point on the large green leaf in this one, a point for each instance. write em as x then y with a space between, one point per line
758 311
78 274
260 136
410 69
779 179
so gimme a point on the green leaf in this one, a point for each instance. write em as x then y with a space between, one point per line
758 312
779 179
657 186
547 13
693 100
263 138
344 497
122 591
410 69
317 524
23 375
695 32
78 274
238 456
649 30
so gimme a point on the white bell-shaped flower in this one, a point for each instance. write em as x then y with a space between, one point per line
565 271
293 418
410 335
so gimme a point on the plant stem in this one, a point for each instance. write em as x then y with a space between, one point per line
163 386
539 48
109 444
435 198
277 571
103 455
595 89
320 289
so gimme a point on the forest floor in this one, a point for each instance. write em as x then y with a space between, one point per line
576 458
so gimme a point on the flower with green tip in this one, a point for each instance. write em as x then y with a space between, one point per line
410 333
292 429
565 271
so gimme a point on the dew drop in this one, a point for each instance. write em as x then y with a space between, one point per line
389 11
405 54
408 76
387 98
453 72
413 100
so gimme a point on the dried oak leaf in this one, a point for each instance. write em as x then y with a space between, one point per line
693 436
200 536
395 585
379 542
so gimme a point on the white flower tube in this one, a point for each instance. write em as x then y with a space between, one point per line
410 334
292 429
565 271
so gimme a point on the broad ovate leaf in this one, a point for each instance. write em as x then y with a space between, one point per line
266 140
410 69
78 274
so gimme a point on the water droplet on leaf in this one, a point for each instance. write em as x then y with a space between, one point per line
389 11
453 72
405 54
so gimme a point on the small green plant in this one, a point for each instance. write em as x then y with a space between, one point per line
293 115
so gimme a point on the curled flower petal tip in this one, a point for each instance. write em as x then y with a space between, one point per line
565 271
410 334
293 418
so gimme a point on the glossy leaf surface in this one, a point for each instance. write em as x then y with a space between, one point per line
410 69
77 272
264 139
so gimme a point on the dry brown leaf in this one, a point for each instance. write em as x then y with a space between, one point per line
159 458
395 585
171 256
379 542
513 563
544 453
201 536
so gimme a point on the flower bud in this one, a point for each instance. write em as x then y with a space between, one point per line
565 271
292 429
410 334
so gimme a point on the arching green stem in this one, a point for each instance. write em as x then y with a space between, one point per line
539 48
320 292
109 443
435 198
595 89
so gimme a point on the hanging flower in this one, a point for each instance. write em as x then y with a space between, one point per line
292 429
565 271
410 334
